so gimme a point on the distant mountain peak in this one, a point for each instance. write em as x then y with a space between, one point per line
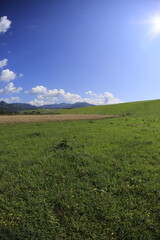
2 102
14 107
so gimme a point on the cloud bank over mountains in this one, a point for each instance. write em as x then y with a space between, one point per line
46 96
10 100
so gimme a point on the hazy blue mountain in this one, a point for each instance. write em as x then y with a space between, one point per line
3 106
67 105
81 104
57 106
14 107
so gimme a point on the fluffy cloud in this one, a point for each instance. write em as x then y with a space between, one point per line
53 95
89 93
10 100
37 90
3 63
102 99
4 24
46 96
37 102
10 88
7 75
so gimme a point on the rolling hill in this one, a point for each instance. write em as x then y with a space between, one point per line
139 109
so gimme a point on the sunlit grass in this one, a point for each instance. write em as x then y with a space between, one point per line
140 109
92 179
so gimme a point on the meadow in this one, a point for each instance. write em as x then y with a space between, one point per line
86 179
143 108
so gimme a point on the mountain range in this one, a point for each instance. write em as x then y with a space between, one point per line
14 107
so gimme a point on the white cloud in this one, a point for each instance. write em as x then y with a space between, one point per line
37 90
4 24
89 93
102 99
72 98
37 102
10 100
7 75
3 62
46 96
110 98
52 96
10 88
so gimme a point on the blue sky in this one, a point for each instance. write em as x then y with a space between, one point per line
99 51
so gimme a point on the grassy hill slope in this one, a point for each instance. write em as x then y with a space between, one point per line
142 109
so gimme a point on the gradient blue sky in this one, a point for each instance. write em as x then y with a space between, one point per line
106 48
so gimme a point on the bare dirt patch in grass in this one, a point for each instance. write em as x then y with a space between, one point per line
50 118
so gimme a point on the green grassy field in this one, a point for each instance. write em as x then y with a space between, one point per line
82 180
143 108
